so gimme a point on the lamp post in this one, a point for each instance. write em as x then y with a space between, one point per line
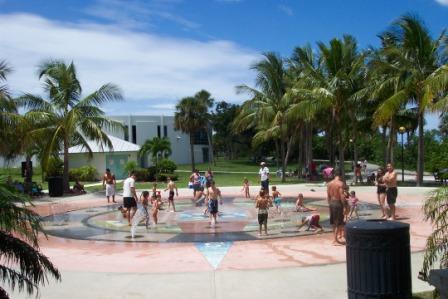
402 130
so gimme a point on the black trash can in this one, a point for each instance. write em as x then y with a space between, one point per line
378 260
55 186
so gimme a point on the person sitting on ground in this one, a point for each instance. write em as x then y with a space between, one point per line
78 188
353 200
300 205
313 223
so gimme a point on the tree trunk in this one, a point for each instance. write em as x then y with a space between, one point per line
210 147
384 139
421 148
65 181
283 153
390 143
341 159
277 160
28 175
331 140
300 153
309 144
288 149
193 167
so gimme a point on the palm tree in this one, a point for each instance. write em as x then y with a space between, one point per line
19 232
413 61
71 120
188 119
267 109
330 85
204 99
155 147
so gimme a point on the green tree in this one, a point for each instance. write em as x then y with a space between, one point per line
267 109
19 232
412 69
71 119
155 147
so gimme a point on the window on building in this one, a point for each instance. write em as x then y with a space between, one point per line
158 131
126 133
200 137
165 131
134 134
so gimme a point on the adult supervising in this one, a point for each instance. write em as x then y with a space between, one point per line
264 177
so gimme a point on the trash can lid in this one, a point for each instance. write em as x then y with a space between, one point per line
375 226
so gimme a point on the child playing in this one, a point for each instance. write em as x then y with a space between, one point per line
141 214
300 205
262 204
277 199
353 200
313 222
171 186
155 202
246 188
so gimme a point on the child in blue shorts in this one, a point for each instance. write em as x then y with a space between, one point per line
277 199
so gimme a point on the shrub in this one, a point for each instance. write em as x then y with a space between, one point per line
85 173
163 177
152 171
55 167
166 166
141 174
130 166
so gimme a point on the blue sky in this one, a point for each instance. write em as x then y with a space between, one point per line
159 51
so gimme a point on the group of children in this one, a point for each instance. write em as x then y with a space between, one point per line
264 201
155 200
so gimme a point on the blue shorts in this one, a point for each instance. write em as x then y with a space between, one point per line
277 201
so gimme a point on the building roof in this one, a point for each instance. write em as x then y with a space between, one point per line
119 145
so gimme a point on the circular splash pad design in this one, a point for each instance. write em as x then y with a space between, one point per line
237 221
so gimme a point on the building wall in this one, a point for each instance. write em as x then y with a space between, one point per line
146 128
98 160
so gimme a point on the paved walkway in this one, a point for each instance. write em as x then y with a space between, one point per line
295 267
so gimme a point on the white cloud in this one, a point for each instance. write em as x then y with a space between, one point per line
286 9
151 69
443 2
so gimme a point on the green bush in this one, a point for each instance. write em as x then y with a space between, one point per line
55 167
142 174
85 173
166 166
152 171
163 177
130 166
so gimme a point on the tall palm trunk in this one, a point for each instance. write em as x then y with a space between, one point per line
210 147
65 181
390 143
28 175
331 139
277 154
193 167
301 144
283 153
421 145
384 139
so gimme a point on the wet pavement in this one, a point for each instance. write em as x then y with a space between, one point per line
86 235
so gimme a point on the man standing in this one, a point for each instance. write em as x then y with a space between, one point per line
129 197
390 180
264 177
336 198
109 183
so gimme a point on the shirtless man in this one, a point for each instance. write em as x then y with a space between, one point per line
390 180
336 201
171 186
109 183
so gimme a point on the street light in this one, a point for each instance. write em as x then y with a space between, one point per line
402 130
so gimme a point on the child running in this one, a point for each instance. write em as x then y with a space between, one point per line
171 186
246 188
313 222
277 199
353 200
141 214
300 205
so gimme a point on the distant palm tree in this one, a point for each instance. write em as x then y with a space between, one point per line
71 120
156 146
206 101
22 264
413 68
188 118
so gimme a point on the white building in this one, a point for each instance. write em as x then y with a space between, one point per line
139 128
